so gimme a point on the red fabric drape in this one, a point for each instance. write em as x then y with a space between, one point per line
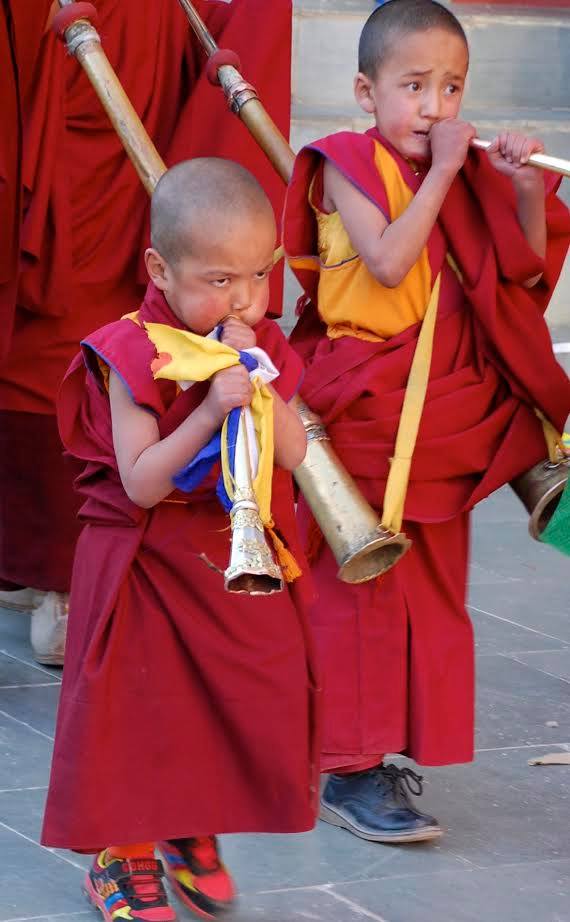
397 653
83 224
159 641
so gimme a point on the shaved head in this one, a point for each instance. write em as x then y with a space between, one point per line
197 198
396 18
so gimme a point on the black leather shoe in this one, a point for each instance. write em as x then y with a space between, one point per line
375 805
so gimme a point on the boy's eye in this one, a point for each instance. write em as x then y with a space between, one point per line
262 275
221 283
415 86
451 89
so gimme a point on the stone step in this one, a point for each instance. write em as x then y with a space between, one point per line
518 57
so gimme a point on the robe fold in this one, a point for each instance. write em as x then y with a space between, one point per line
397 654
84 213
184 710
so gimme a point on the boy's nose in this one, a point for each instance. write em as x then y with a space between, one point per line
431 105
242 296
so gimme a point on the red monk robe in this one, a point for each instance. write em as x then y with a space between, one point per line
172 688
83 223
397 654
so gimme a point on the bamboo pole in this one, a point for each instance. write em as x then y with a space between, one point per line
243 100
83 41
266 133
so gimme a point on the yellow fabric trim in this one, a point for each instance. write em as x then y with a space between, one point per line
185 356
133 315
105 371
414 399
304 262
553 438
262 412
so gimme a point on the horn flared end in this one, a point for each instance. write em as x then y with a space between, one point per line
540 490
252 569
252 583
375 557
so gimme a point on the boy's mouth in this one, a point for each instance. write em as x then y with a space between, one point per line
422 134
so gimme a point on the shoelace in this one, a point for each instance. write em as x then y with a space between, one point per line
400 779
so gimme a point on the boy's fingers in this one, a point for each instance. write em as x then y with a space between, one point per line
532 146
517 148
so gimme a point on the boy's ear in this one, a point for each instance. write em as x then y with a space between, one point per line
363 93
156 268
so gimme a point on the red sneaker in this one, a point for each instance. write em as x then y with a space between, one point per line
197 875
128 888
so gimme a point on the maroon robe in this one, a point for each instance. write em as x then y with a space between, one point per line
184 710
397 654
83 219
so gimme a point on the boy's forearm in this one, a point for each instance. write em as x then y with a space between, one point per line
150 478
531 213
402 242
290 440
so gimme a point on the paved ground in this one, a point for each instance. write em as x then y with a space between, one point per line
506 855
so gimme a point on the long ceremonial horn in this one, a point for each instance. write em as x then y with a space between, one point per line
224 69
251 568
362 548
544 161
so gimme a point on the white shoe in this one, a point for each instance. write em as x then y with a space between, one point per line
49 628
21 599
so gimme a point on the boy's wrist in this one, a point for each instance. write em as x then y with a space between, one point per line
528 181
442 173
206 417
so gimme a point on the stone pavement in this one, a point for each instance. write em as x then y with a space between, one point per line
506 855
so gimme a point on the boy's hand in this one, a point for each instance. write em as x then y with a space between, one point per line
228 389
509 153
237 334
449 142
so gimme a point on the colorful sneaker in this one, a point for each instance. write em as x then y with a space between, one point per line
128 888
197 875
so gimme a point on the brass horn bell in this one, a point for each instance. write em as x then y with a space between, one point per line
362 548
539 490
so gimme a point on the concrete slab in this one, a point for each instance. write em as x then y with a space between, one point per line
515 702
506 852
529 892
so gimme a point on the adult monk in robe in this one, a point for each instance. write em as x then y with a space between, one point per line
371 222
83 224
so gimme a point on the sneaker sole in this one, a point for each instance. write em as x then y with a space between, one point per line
213 912
98 902
20 609
94 899
53 659
426 834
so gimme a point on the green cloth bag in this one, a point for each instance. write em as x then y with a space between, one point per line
557 532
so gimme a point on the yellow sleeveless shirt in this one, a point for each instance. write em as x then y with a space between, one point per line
351 301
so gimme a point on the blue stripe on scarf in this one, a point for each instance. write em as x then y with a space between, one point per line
193 473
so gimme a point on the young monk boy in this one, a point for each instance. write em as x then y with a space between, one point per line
185 712
371 221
